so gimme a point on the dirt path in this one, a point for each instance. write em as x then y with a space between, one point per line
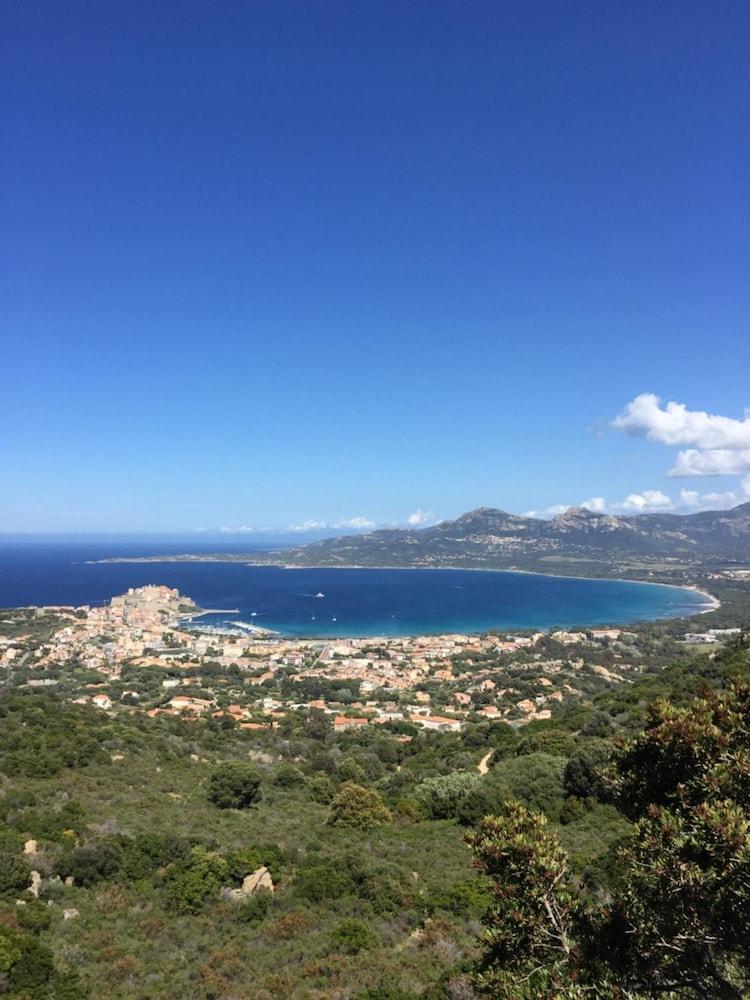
482 766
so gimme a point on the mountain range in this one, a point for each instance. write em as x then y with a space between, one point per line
487 538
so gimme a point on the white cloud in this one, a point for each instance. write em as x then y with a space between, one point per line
713 462
356 522
692 500
421 518
351 523
676 425
308 526
243 529
648 500
553 511
596 504
634 503
718 446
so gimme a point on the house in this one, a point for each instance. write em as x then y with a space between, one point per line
196 706
437 722
343 722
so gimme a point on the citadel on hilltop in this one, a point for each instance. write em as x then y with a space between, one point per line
149 604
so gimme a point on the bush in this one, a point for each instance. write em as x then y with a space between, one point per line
234 785
442 797
193 881
463 899
385 993
350 770
289 776
254 909
93 862
321 788
149 851
582 778
14 874
534 779
244 862
32 972
353 936
36 916
483 800
552 741
357 808
323 881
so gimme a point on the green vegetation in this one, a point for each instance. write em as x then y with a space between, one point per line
675 920
625 814
234 785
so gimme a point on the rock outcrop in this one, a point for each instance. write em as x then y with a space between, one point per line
258 881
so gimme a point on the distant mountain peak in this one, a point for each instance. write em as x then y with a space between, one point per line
487 537
574 513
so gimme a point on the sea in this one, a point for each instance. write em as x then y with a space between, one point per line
328 603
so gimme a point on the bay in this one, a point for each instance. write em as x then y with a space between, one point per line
356 602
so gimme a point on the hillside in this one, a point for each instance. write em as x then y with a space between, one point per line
487 538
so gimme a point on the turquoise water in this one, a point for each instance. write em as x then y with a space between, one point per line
357 602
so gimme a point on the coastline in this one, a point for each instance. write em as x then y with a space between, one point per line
710 602
713 602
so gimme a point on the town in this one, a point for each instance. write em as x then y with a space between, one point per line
146 651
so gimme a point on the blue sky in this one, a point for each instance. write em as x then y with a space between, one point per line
268 264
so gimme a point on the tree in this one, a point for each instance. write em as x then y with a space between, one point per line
443 796
14 874
681 915
192 881
534 779
676 921
94 862
355 807
528 925
234 785
289 776
353 936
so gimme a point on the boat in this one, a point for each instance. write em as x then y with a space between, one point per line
319 594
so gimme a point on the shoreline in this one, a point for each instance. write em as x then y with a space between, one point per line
711 602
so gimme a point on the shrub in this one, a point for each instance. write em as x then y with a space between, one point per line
552 741
93 862
191 882
462 899
254 909
289 926
36 916
14 874
442 796
385 993
534 779
582 778
350 770
149 851
323 881
353 936
321 788
289 776
32 972
234 785
484 799
357 808
248 860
